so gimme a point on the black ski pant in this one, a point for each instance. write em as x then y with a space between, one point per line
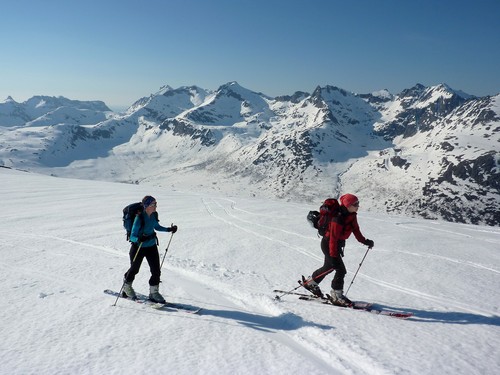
152 256
331 264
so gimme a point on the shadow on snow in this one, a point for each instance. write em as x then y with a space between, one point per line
284 322
447 317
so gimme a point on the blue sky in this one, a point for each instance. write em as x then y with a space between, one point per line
119 51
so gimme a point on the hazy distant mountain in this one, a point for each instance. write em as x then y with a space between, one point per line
59 109
427 151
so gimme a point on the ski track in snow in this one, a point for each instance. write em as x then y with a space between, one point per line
230 221
441 301
217 304
290 326
444 302
212 206
278 328
429 227
385 284
222 305
62 239
448 259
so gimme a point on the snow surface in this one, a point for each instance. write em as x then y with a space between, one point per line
63 244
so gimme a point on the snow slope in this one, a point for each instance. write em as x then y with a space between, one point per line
62 244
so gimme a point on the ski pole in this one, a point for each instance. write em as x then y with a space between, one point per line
124 280
362 260
294 289
166 250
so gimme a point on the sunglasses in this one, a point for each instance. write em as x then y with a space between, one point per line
355 204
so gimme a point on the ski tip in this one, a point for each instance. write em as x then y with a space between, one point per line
401 315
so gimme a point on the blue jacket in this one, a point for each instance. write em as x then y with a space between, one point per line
150 225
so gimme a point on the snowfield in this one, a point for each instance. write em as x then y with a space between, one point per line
63 244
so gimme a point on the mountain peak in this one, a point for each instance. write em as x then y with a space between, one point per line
234 90
9 100
164 89
447 88
414 91
232 86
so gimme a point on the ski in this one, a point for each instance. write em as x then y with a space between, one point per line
357 305
363 306
306 296
296 294
168 306
325 300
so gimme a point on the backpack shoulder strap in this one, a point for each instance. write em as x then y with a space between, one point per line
141 219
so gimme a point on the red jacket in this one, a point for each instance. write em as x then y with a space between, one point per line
340 228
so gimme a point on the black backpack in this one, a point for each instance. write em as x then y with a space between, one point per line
129 214
322 218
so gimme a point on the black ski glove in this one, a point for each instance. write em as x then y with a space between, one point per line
173 228
369 243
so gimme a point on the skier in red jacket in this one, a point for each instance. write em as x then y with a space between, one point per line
332 246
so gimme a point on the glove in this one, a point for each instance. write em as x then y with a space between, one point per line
369 243
173 228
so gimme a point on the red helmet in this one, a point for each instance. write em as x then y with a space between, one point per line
347 200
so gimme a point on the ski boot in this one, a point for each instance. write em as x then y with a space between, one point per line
312 286
128 291
154 294
337 298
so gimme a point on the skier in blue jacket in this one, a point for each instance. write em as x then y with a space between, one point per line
145 245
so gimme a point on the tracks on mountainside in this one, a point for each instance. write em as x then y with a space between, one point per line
51 276
221 213
227 215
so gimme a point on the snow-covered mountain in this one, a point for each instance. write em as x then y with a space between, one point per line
428 151
49 110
